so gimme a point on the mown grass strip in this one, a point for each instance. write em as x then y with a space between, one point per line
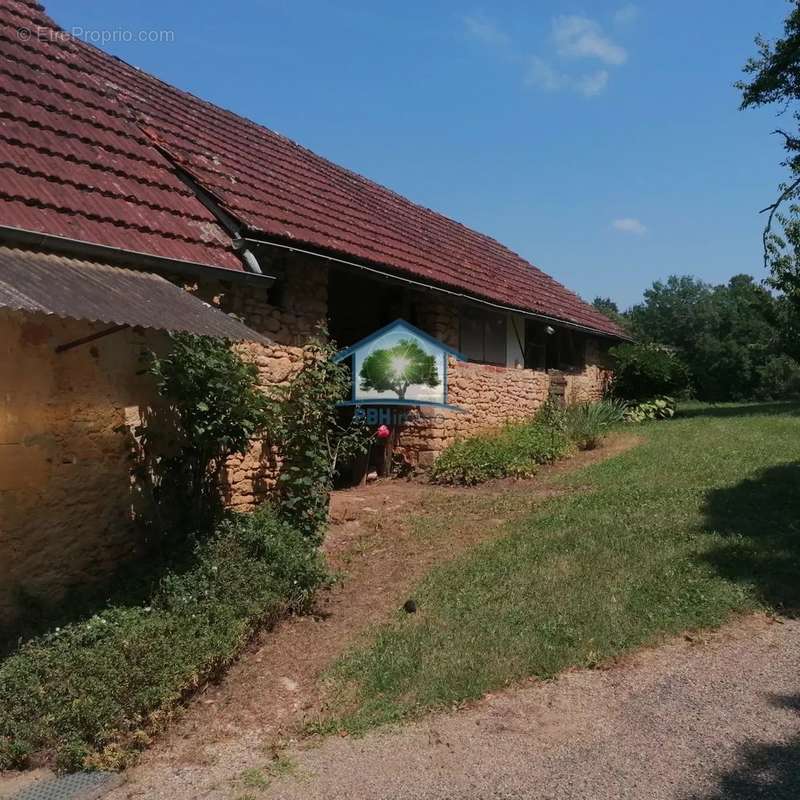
698 523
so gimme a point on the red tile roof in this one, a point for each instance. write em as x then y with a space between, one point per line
77 128
74 162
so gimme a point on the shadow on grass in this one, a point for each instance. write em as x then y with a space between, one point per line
740 410
763 769
759 520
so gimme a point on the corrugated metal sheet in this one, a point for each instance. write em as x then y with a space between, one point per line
68 287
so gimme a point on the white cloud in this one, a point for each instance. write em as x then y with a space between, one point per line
581 37
629 225
485 31
543 76
572 37
627 14
593 83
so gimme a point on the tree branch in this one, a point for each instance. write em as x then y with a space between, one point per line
791 142
772 208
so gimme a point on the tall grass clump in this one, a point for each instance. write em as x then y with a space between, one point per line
588 423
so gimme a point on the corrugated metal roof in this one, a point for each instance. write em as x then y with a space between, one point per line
69 287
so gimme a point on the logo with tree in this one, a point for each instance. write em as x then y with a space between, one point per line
398 365
396 368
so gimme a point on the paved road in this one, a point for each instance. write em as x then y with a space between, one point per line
707 719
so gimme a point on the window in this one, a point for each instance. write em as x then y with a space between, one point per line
535 345
483 337
561 349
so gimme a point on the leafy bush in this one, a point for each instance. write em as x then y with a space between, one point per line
588 423
779 379
91 691
312 439
214 408
552 415
643 371
657 408
514 451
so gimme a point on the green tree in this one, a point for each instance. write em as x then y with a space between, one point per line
605 305
774 78
674 312
398 367
725 334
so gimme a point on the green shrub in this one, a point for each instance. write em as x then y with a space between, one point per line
213 408
312 438
588 423
552 414
514 451
643 371
657 408
90 691
779 379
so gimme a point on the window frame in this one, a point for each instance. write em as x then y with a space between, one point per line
490 322
562 351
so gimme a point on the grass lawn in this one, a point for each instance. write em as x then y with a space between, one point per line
698 523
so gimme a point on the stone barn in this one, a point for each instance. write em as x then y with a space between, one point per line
129 208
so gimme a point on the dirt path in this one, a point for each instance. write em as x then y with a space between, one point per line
717 719
382 542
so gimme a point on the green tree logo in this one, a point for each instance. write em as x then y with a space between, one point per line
396 368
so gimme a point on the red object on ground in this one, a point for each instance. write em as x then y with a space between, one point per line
383 432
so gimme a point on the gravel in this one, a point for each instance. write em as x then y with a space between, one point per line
707 717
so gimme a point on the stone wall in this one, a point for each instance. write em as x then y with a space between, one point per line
67 501
491 396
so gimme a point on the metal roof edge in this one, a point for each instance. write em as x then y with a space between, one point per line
131 259
434 288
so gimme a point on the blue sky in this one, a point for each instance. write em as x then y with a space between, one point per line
600 140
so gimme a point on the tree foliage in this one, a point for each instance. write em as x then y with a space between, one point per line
607 306
646 371
728 335
398 367
774 78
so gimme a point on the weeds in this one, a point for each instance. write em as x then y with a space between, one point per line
90 691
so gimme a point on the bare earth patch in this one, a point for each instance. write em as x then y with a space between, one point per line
382 544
